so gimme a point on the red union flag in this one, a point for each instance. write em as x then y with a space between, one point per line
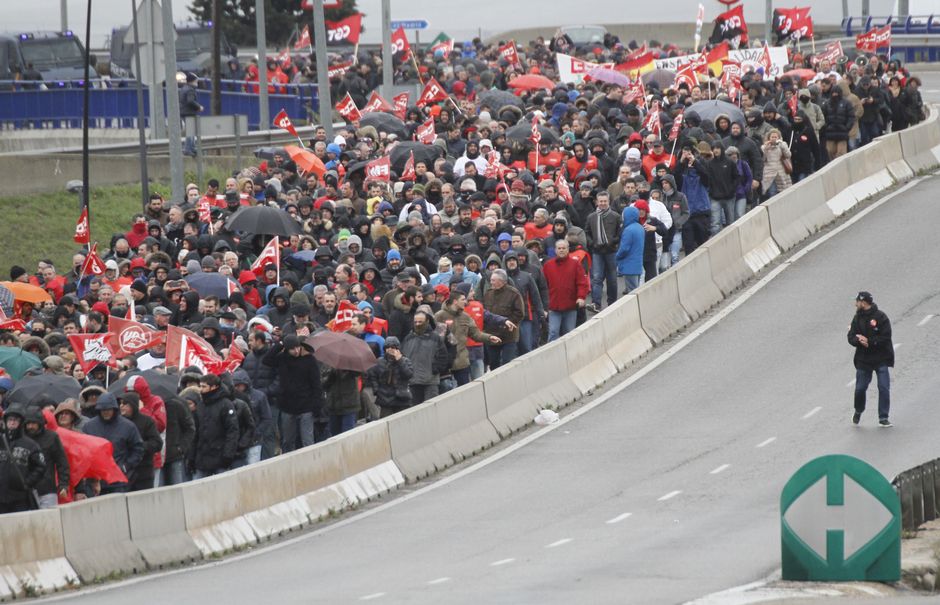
338 70
536 134
871 41
92 349
494 169
93 264
433 92
303 40
82 233
184 349
377 103
651 122
831 53
347 108
508 52
400 103
282 120
379 169
345 31
561 184
793 23
344 315
271 255
635 93
676 127
425 132
129 337
408 172
686 75
204 208
400 44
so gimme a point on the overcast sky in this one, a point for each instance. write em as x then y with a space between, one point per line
491 16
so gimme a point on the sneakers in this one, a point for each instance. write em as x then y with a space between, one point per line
592 308
885 423
856 417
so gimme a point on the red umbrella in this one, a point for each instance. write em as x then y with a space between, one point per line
532 82
306 160
802 73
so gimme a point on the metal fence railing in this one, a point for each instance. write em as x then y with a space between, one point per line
919 490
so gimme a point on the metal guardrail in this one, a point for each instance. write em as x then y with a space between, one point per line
919 490
910 24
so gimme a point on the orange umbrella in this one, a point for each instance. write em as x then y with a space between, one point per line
306 160
532 82
23 292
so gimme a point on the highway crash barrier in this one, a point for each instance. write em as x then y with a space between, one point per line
697 292
97 538
588 361
157 524
661 312
798 212
624 338
757 244
921 144
32 555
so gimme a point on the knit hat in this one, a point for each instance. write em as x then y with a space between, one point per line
208 262
140 286
16 271
193 267
392 342
393 255
518 185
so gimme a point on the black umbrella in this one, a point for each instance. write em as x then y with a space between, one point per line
711 109
522 132
355 167
268 153
496 98
265 220
161 384
423 153
212 284
57 386
384 122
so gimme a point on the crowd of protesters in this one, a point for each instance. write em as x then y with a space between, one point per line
483 255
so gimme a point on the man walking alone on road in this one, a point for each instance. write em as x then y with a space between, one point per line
870 334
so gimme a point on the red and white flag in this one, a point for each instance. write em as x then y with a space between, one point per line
282 121
15 325
347 108
303 40
873 40
400 104
271 255
508 52
408 172
765 60
338 70
344 316
635 93
129 337
204 208
283 57
652 122
184 348
793 105
345 31
82 232
400 44
686 75
424 133
676 127
731 78
232 287
377 103
536 135
379 169
93 264
92 350
432 93
494 168
561 184
831 53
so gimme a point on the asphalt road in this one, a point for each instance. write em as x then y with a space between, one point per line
666 492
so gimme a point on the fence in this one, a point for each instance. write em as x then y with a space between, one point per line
919 490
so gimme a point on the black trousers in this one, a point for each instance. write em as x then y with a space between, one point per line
696 231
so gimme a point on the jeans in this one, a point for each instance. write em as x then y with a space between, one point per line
249 456
603 270
526 336
719 207
630 283
863 379
422 392
740 208
674 249
49 501
294 427
446 384
477 366
203 474
560 323
502 354
868 131
340 423
462 376
173 473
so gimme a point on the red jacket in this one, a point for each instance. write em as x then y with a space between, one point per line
567 282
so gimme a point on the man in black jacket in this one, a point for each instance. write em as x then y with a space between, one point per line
180 433
603 227
189 107
126 445
22 464
840 117
153 443
870 334
722 177
264 378
301 398
216 429
55 481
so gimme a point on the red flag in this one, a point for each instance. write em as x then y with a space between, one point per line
347 108
283 56
765 61
205 210
92 349
338 70
93 264
635 93
561 184
377 103
508 52
676 127
345 31
232 287
793 23
89 457
730 25
425 132
400 102
432 93
303 40
633 54
792 104
686 75
831 53
652 121
282 120
270 255
408 172
873 40
129 337
379 169
536 134
344 315
400 44
82 233
494 169
184 349
731 78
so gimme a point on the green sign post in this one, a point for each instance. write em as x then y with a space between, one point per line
840 520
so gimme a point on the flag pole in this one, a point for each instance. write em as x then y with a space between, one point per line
277 258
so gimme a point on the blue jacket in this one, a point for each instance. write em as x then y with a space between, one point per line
695 191
630 252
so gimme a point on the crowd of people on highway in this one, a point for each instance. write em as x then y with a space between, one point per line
473 250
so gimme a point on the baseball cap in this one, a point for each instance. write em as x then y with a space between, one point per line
865 296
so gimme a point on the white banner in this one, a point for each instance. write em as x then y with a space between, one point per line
749 58
571 69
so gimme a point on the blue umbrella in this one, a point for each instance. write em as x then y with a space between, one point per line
212 284
305 255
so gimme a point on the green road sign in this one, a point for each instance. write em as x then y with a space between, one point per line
840 519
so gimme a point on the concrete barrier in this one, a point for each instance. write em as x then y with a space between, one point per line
214 516
517 391
158 527
921 144
757 244
441 432
697 292
266 497
588 362
661 313
798 212
624 338
726 259
836 183
32 554
97 537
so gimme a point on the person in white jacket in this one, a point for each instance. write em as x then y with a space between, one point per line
659 211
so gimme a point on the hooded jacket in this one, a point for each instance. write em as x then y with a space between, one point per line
721 174
632 241
840 117
56 475
567 282
748 150
299 378
127 446
216 432
427 353
153 443
22 471
389 380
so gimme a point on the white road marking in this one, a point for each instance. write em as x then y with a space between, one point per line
669 495
924 321
766 442
374 595
437 581
720 469
558 543
618 518
812 412
501 562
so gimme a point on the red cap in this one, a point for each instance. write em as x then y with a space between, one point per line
138 263
246 277
101 307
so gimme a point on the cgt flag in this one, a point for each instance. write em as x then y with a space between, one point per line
303 40
379 169
408 172
508 52
347 108
93 264
82 232
344 32
424 133
344 316
792 23
377 103
432 93
873 40
282 120
271 255
730 25
400 104
400 44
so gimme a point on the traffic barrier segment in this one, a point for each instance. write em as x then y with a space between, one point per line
921 144
697 292
441 432
624 338
757 244
214 516
97 538
158 527
32 554
729 269
266 497
836 180
661 313
588 362
798 212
